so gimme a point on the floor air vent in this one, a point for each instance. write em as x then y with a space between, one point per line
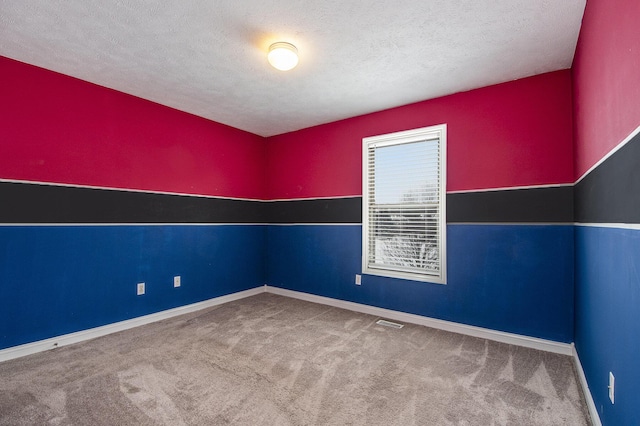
389 323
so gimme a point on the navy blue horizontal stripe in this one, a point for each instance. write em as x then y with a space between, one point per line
58 280
498 277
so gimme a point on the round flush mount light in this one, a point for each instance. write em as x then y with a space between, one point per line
283 56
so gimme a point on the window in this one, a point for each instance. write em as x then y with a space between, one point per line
403 209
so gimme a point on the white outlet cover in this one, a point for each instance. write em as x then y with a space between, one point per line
176 281
612 387
358 279
140 289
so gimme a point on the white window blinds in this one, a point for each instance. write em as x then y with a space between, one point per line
404 204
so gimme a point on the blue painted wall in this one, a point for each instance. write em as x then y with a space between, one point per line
608 318
62 279
514 278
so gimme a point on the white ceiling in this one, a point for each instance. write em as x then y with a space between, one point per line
208 57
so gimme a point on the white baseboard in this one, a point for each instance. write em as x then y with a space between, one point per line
591 405
469 330
92 333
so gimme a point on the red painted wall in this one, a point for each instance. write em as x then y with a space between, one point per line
606 77
60 129
512 134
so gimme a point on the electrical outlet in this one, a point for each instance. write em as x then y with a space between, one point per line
140 289
612 387
176 281
358 279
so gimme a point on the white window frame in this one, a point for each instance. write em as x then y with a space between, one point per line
438 132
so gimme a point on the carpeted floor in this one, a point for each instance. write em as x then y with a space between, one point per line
271 360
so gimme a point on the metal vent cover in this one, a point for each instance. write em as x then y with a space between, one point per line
389 323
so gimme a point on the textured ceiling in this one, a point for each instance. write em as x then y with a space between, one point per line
209 57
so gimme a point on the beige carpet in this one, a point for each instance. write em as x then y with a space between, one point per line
271 360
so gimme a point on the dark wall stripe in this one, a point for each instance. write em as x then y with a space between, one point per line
33 203
332 210
535 205
611 192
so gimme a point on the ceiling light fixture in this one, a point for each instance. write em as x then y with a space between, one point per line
283 56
